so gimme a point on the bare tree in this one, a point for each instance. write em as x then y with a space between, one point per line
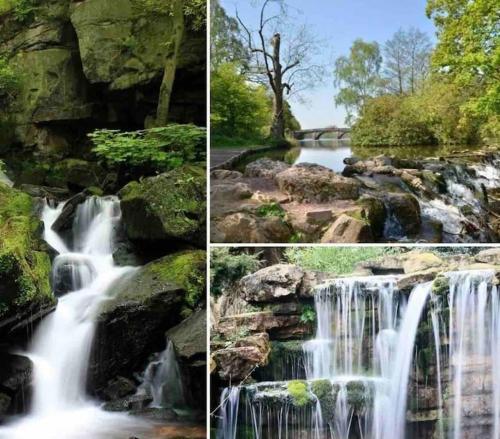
407 60
282 58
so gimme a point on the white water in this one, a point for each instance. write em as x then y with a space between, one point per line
61 346
229 407
162 380
474 333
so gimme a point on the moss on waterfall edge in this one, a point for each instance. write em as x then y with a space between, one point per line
326 393
299 392
24 267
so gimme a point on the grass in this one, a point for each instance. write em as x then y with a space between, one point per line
224 142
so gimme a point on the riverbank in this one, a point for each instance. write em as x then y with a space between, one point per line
452 198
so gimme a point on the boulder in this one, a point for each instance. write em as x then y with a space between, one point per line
224 191
24 265
421 261
15 381
190 342
168 207
406 210
243 227
225 174
265 168
347 229
64 221
307 182
373 209
489 256
273 283
132 323
76 174
120 45
237 363
119 388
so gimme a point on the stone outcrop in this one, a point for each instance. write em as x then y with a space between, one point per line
347 229
92 60
309 182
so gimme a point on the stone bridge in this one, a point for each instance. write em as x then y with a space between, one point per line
318 132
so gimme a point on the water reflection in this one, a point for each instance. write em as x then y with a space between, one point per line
327 152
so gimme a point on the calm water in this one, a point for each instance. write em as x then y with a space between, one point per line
332 152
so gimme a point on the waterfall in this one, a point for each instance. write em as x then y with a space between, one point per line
162 380
474 334
61 346
229 407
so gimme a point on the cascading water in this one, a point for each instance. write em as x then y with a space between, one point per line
162 380
61 347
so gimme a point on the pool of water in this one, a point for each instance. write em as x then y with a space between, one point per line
331 153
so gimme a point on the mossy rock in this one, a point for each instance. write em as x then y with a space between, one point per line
24 266
359 395
374 211
169 207
326 393
299 393
441 286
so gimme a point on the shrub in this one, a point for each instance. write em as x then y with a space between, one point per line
227 268
9 81
308 314
271 209
337 260
158 149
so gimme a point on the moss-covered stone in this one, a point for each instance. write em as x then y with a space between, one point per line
24 267
299 392
359 395
441 286
374 211
326 393
170 206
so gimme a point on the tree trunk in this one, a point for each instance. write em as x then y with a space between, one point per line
278 123
167 83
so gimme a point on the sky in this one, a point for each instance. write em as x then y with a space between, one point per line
338 23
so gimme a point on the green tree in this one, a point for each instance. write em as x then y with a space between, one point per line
226 45
358 76
238 108
468 51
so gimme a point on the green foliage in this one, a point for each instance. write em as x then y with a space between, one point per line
299 392
308 314
391 121
226 45
226 268
195 11
327 396
468 50
271 209
23 10
357 76
238 109
159 149
9 81
336 260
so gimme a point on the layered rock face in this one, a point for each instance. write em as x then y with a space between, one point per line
94 63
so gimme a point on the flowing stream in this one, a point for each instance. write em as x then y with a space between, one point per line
367 348
61 346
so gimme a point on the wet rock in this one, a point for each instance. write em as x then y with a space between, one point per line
314 183
490 256
64 221
129 403
245 227
265 168
15 381
421 261
76 174
170 206
375 212
52 193
237 363
189 337
408 281
273 283
347 229
133 322
406 210
119 388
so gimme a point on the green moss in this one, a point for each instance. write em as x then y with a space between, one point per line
24 269
358 395
326 393
186 269
271 209
299 393
441 286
